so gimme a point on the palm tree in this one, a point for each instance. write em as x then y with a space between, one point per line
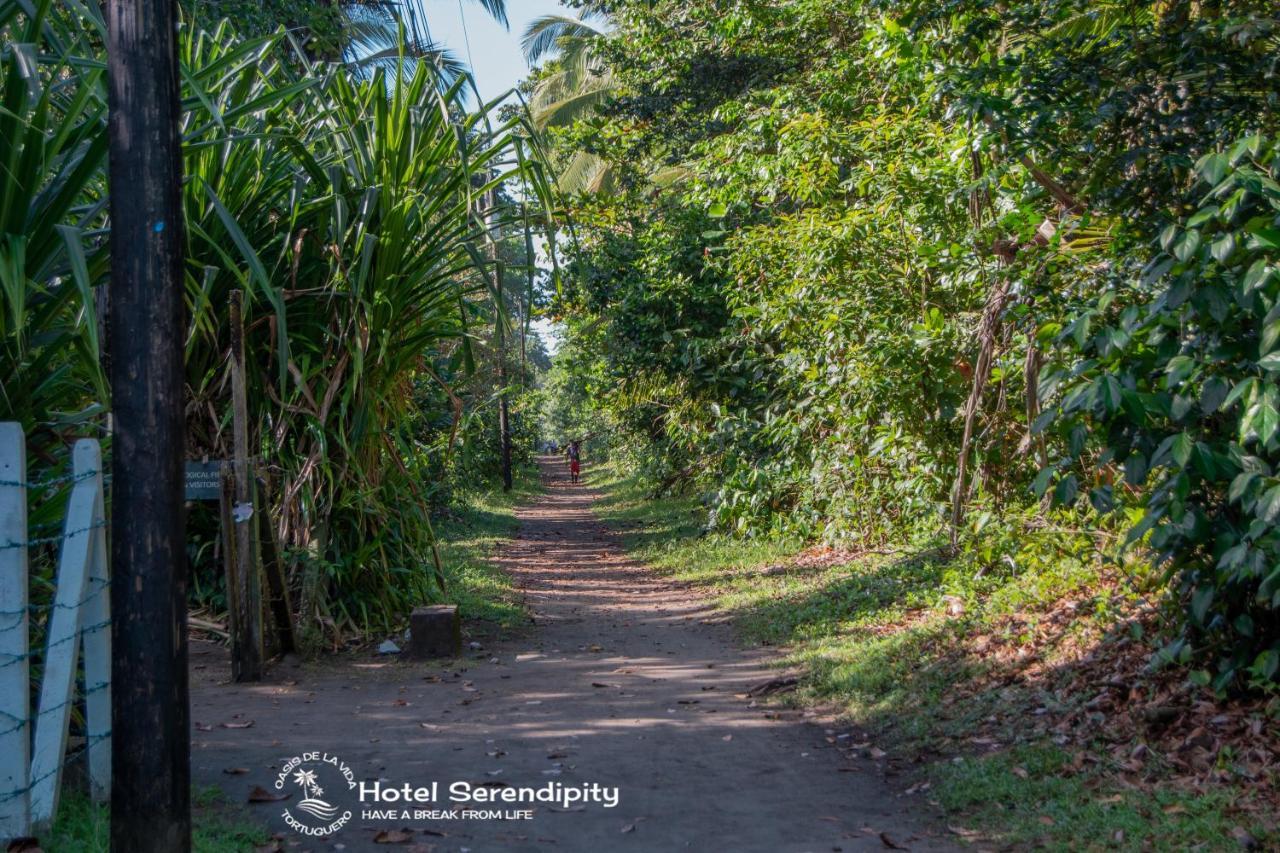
363 34
377 37
377 33
579 81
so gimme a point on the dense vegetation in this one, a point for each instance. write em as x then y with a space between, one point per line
995 278
363 211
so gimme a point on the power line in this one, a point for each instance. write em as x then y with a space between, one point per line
466 37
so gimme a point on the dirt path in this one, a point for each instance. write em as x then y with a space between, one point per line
625 681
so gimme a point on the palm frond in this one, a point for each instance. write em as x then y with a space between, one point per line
497 9
549 34
557 108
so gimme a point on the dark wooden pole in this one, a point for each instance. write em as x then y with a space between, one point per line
500 340
246 640
504 411
150 773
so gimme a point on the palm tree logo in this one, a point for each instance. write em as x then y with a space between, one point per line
311 790
307 780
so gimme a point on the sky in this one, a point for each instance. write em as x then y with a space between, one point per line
496 60
495 56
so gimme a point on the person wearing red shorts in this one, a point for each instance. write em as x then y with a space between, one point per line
575 461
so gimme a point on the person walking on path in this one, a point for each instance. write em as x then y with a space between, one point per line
575 461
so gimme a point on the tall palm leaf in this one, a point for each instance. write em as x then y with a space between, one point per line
52 153
580 80
576 83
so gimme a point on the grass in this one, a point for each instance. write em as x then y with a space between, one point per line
474 527
218 826
892 639
1033 795
872 634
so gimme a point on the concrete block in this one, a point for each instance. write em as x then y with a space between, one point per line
435 631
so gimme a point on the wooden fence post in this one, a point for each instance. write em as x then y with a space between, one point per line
244 526
15 738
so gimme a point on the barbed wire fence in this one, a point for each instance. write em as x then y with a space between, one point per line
34 742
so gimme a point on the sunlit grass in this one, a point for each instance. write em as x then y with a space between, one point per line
479 522
217 826
887 637
1033 795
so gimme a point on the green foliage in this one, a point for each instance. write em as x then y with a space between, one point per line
874 271
53 150
346 207
319 26
1179 375
217 825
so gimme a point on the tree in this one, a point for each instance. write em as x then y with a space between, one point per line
571 88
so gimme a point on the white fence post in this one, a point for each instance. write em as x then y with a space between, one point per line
80 604
95 627
15 750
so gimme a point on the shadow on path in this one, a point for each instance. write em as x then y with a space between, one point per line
626 680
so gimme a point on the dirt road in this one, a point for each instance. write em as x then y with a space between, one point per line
624 681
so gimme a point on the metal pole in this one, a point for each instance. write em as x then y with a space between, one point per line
151 777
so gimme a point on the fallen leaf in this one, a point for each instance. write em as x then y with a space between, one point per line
774 685
203 727
238 725
631 827
393 836
260 794
889 842
1021 773
1046 820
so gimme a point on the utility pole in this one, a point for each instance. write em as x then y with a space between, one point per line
530 273
500 341
150 772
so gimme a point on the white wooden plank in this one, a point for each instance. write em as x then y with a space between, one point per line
96 638
63 637
15 750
